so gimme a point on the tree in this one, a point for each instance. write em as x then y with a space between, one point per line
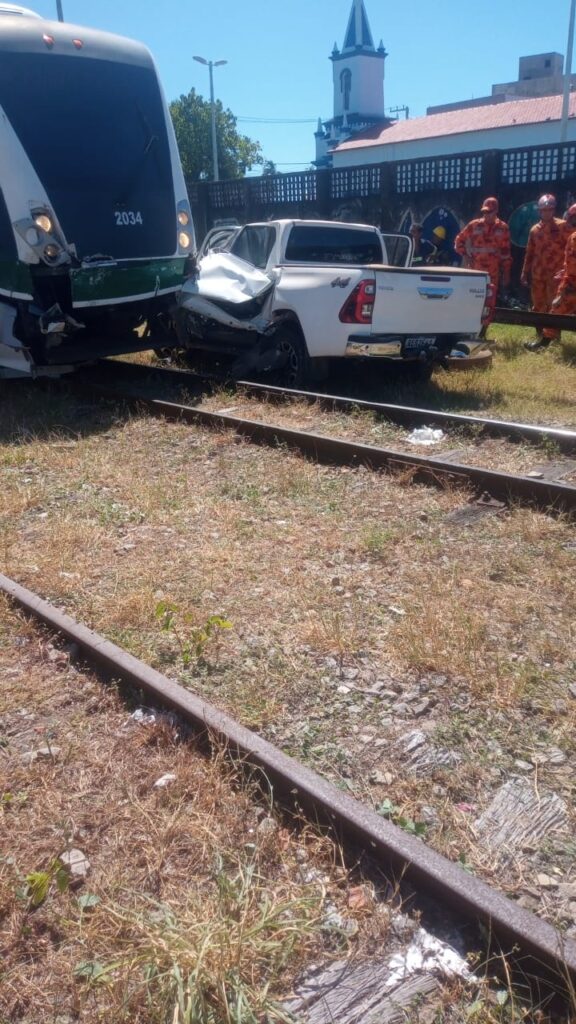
269 167
192 124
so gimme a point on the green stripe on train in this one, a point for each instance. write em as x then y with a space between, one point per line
15 277
93 284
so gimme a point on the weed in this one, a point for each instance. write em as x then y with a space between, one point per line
378 539
192 637
390 811
38 884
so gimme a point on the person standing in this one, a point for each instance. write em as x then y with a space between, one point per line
423 249
543 260
484 244
564 302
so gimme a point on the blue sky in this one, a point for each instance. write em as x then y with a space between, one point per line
277 52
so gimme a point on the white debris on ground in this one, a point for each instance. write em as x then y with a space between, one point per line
425 436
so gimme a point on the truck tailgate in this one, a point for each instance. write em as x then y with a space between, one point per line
428 302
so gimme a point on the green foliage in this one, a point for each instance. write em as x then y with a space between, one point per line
237 153
38 883
192 637
389 810
88 900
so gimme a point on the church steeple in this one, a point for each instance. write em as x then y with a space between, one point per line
358 76
358 34
358 71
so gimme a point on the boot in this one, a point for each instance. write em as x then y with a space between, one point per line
537 344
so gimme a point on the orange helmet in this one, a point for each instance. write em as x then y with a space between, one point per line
547 202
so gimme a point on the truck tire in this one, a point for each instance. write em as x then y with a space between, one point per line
296 369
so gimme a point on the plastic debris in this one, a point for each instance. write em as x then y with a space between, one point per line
426 436
165 780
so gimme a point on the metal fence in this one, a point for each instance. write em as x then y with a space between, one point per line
513 174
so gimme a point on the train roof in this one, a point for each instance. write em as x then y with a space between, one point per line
30 34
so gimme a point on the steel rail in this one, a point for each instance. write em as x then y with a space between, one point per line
535 946
543 494
407 415
526 318
404 415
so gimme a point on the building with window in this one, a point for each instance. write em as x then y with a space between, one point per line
517 114
358 83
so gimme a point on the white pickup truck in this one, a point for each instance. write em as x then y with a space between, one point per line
288 296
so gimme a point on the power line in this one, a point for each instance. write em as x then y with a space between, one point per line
276 120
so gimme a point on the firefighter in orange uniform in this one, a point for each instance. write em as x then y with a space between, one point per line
565 299
484 244
542 262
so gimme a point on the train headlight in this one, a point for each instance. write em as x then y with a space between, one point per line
183 217
43 221
51 252
184 240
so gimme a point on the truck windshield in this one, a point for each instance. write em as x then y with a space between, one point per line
95 133
311 243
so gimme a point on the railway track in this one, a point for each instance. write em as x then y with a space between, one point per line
125 382
544 959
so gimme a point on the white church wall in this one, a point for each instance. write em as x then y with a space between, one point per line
367 89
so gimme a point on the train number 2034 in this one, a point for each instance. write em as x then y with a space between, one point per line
126 218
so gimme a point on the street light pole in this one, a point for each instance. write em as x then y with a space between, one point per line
567 75
59 10
212 64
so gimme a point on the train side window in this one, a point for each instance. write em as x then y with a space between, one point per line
8 249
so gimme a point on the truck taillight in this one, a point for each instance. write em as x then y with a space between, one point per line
359 305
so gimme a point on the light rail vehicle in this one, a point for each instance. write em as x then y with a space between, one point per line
96 232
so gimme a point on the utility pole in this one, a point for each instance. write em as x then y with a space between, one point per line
59 10
567 75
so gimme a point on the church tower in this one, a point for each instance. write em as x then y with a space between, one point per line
358 77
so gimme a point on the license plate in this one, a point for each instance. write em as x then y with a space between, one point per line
419 343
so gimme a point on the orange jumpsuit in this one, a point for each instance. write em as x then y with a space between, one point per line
543 259
565 300
486 246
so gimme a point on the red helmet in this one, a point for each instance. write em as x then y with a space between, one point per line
547 202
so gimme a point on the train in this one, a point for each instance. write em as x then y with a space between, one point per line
96 229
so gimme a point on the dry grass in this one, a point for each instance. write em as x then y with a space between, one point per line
199 906
352 601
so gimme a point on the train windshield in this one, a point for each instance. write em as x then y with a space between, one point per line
96 135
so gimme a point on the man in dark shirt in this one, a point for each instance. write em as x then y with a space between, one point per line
423 249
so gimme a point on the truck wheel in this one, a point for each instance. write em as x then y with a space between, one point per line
295 367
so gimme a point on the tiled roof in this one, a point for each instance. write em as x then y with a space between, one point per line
470 119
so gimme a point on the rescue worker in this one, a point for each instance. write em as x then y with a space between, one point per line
543 260
484 244
564 301
442 256
423 249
